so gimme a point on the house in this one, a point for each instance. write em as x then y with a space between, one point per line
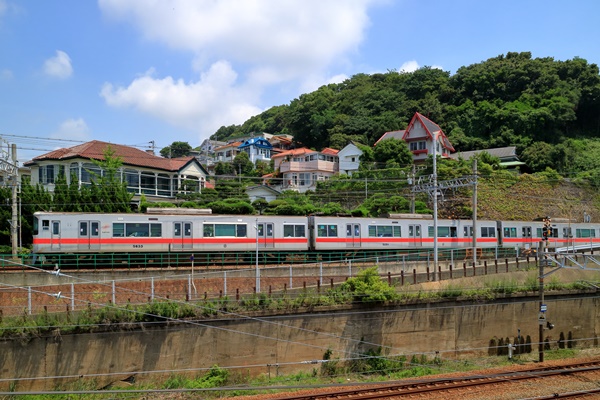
302 168
227 152
258 149
349 158
421 136
507 155
262 192
143 172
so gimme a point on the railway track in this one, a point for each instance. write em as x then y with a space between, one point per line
429 387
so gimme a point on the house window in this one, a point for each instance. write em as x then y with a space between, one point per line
46 174
420 145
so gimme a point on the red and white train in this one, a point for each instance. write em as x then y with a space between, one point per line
57 232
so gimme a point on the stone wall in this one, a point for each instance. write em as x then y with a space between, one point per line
282 344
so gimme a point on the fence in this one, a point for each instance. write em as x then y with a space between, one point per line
232 284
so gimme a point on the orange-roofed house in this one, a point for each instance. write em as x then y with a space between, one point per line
301 169
227 152
421 135
143 172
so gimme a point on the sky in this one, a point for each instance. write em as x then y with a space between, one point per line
147 73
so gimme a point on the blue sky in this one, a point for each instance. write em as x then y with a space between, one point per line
136 71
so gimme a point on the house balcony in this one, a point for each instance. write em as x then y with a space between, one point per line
310 166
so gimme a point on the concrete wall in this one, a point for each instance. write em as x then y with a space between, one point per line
254 345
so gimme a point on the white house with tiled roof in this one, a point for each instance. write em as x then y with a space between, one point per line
143 172
421 136
227 152
302 168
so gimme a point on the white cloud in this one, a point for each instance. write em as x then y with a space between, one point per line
291 34
202 106
409 66
6 74
58 66
412 66
72 129
240 49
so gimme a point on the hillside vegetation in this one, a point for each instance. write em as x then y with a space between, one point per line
548 109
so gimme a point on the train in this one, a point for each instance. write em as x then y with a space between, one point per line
199 232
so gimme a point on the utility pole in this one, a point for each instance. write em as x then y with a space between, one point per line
14 228
10 170
412 183
546 234
475 212
435 208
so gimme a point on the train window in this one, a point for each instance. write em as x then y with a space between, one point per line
585 233
414 231
221 230
327 230
488 231
83 229
384 231
444 231
55 228
567 233
294 231
553 232
155 230
46 224
137 230
467 231
118 229
510 232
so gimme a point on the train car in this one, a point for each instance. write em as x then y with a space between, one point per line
115 233
403 232
563 234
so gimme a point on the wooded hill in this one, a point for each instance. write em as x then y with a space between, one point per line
548 109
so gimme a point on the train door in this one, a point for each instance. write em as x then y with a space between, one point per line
89 235
266 238
55 235
414 234
527 236
353 238
182 235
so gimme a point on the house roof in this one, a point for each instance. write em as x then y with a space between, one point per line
507 155
257 142
430 128
330 151
391 135
294 152
262 187
95 149
233 144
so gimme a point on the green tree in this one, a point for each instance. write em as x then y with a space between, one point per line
176 150
393 150
242 164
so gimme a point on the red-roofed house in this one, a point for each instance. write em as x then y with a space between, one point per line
420 136
144 172
301 169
